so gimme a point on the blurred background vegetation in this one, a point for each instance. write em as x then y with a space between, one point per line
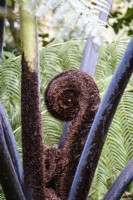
52 27
61 44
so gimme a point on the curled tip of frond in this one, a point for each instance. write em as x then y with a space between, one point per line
65 93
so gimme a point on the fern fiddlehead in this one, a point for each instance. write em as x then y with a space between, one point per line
72 95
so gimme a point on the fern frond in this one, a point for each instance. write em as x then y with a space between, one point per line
51 128
109 58
9 75
2 197
71 56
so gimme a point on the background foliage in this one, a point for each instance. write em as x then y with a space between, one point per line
58 20
64 27
122 16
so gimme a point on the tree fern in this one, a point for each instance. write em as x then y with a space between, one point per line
52 62
55 58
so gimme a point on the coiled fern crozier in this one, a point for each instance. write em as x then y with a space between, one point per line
72 95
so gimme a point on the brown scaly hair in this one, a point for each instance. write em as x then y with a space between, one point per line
70 96
31 135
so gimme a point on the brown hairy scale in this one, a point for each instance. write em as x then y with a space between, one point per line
33 157
72 95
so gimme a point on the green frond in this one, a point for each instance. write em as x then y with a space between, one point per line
70 55
109 58
50 64
126 119
10 76
2 197
52 129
